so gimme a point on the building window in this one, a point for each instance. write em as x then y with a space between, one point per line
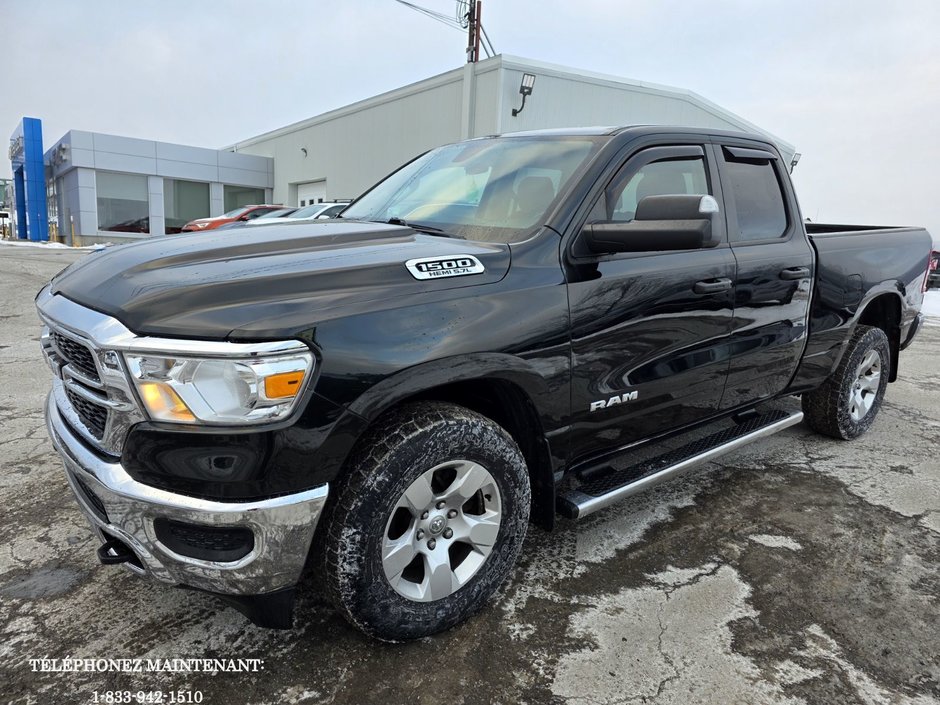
123 203
238 196
184 201
52 207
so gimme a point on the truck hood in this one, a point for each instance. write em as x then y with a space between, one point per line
264 282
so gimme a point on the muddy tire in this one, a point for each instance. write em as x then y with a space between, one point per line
846 405
426 522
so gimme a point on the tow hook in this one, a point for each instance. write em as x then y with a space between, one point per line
113 552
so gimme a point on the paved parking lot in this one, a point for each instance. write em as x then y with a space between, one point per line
800 569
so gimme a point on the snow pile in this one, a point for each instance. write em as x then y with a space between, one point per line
931 308
49 245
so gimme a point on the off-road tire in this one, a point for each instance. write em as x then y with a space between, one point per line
405 443
827 409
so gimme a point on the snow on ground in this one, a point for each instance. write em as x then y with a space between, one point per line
48 245
931 308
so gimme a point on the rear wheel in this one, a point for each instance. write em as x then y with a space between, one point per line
427 523
846 405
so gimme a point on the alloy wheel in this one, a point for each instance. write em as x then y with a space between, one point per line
441 531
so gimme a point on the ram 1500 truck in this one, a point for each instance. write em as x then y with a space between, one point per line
389 399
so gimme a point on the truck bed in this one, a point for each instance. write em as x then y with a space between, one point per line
850 264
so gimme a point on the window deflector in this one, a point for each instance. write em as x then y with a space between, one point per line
746 153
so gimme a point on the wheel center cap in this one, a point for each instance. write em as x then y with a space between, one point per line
437 524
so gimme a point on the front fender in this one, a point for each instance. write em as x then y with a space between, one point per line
421 378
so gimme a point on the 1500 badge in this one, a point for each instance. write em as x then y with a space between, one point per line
437 267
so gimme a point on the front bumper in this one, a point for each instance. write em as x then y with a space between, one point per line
283 527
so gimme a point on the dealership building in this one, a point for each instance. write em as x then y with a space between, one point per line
105 188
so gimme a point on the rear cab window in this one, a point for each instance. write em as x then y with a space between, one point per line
754 193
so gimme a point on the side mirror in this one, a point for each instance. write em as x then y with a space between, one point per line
662 223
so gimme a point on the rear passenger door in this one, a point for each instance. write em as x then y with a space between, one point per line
775 270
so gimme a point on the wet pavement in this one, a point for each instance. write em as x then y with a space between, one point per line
797 570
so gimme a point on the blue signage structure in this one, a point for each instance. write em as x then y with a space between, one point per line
29 181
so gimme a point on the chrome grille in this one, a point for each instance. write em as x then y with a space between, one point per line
76 355
92 415
94 502
90 386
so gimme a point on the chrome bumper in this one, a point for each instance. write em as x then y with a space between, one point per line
283 527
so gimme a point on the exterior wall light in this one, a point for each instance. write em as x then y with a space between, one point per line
794 161
525 89
304 150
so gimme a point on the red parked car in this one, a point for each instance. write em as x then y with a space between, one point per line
243 213
933 270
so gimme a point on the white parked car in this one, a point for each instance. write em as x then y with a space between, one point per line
312 212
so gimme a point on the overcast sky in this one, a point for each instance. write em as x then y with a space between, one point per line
854 85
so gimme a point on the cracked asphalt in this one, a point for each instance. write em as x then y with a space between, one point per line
798 570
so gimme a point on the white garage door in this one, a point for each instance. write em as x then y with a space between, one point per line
311 192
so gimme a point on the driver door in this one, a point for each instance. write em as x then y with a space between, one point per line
649 341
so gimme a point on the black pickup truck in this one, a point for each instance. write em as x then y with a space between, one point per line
389 398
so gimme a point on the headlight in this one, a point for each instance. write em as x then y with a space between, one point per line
227 391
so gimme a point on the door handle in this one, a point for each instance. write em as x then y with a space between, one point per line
711 286
791 273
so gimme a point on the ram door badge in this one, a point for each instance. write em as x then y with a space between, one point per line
614 400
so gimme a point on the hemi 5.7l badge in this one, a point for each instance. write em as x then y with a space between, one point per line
437 267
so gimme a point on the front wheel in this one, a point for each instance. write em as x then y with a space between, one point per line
427 522
846 404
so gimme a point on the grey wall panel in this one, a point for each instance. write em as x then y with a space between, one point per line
216 199
187 170
86 222
80 158
241 160
243 177
155 191
184 153
124 145
108 161
88 197
79 139
82 177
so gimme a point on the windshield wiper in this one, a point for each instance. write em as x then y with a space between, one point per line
420 227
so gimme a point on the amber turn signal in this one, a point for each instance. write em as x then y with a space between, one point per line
283 386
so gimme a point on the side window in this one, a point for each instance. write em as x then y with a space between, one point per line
668 177
331 212
758 199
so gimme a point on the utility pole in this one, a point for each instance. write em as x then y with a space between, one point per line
473 28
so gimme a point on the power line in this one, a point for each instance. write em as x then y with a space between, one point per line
433 14
464 16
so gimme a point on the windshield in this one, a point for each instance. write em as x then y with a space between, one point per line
495 190
235 213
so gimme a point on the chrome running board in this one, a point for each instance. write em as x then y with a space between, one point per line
599 492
